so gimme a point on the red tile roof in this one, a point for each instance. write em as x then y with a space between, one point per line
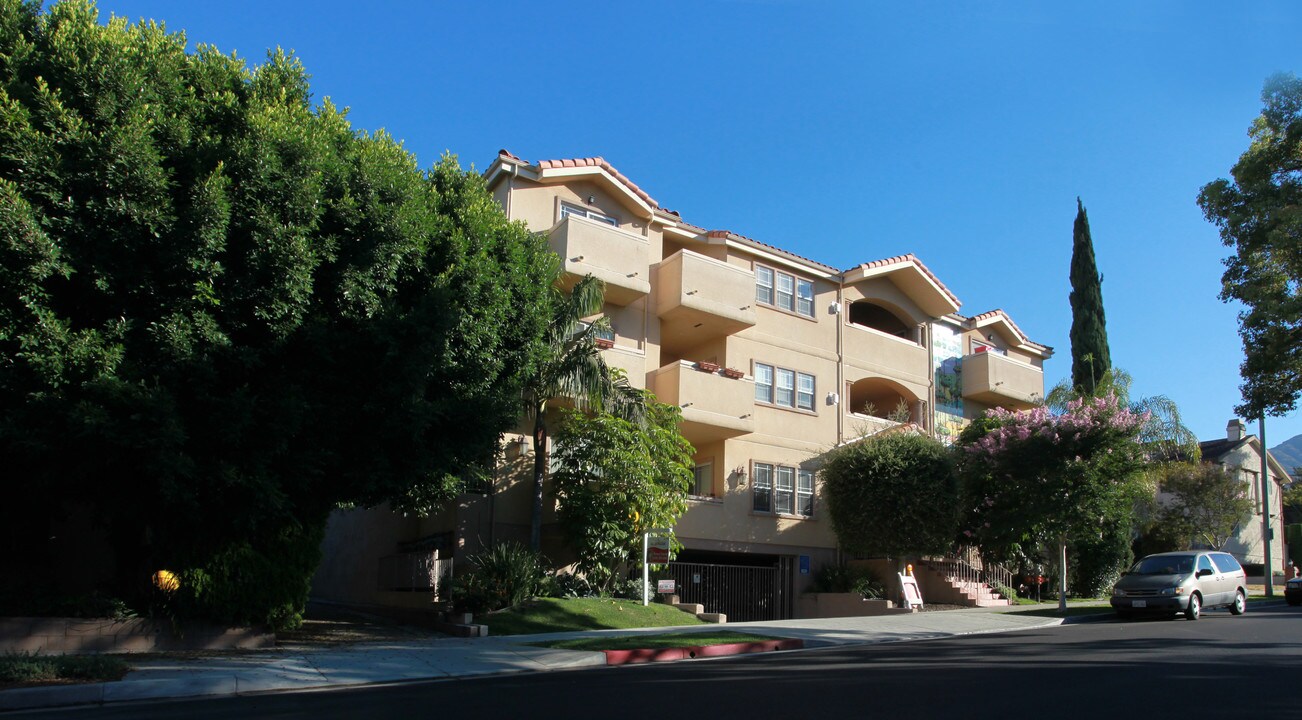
911 258
999 313
601 163
734 236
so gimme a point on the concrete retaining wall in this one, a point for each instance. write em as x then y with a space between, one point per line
830 605
75 636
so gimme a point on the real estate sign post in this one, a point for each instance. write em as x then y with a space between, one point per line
655 550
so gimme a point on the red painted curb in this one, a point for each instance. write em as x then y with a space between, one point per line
631 657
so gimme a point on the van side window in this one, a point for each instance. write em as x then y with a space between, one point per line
1204 564
1226 562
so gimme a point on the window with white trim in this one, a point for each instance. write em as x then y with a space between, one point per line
804 391
568 210
784 291
782 490
763 285
764 383
783 387
805 493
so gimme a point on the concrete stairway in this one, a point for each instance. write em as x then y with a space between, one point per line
939 586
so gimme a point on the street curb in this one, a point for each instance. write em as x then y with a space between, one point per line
633 657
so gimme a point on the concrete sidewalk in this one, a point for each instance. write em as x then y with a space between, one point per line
445 658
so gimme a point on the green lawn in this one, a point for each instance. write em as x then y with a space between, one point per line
26 668
549 615
647 642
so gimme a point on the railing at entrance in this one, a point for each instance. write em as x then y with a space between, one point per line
741 592
972 574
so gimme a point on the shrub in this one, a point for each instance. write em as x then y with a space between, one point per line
28 667
892 495
869 587
842 579
503 576
568 585
266 583
1095 564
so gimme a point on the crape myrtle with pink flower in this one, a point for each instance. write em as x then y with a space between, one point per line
1043 479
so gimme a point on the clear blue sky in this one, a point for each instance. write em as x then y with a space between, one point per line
961 132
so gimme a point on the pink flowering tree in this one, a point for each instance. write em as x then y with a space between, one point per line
1041 479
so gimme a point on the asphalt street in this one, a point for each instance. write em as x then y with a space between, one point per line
1218 666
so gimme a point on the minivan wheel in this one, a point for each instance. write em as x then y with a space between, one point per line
1195 607
1239 603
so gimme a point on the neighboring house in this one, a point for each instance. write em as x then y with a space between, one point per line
1240 453
774 358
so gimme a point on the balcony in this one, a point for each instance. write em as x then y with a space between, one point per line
996 380
618 258
700 297
714 407
887 354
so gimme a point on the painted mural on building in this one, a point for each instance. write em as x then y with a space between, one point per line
947 354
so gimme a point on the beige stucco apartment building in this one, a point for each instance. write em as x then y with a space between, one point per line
774 359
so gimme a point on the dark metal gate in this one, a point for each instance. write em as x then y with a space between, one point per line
741 592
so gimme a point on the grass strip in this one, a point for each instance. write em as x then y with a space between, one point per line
655 642
552 615
21 668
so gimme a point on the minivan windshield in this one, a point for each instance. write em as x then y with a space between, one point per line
1164 565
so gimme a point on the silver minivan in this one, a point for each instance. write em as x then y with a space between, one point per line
1181 582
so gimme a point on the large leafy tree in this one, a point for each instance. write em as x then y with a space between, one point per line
1044 479
1200 503
615 480
892 494
223 312
1090 357
571 369
1259 214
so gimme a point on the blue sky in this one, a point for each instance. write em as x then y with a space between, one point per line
851 131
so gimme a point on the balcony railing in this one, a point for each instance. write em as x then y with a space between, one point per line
616 257
886 354
994 379
714 406
700 297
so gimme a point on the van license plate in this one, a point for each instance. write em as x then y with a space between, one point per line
1139 603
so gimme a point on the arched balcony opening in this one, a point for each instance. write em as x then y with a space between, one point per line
885 400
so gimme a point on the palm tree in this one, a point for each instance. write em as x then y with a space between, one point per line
1165 434
572 368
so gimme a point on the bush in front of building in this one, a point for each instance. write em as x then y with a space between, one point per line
505 575
893 495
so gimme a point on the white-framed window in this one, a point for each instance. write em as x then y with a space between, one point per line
703 481
763 285
786 298
805 493
804 391
784 291
764 383
804 297
782 490
568 210
783 387
762 488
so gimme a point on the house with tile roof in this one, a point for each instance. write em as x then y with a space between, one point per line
774 358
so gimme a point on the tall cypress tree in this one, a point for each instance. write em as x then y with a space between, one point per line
1089 334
